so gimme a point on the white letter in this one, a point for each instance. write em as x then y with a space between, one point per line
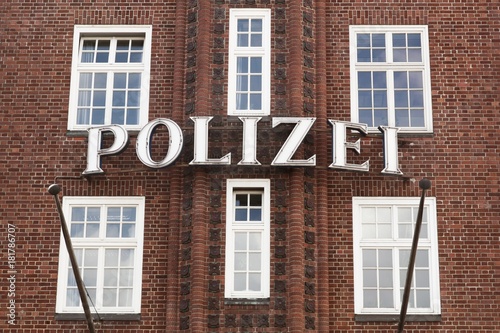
249 140
284 156
390 150
340 145
143 143
94 150
201 144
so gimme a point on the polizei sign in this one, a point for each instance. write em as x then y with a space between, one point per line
282 158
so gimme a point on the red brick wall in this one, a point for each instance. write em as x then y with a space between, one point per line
311 228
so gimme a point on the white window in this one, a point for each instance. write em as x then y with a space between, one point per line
247 238
110 76
383 233
249 62
107 237
390 77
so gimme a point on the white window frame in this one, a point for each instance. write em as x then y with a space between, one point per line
100 243
430 243
239 186
390 66
264 52
112 32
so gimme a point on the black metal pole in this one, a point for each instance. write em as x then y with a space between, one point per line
424 184
54 189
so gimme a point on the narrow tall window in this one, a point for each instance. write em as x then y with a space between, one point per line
107 237
110 76
390 77
247 239
249 62
383 233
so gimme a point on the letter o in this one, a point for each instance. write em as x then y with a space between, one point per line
145 137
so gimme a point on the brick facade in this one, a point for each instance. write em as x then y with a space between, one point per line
312 279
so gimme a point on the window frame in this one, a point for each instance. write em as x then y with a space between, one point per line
101 243
235 52
112 32
235 186
389 66
430 244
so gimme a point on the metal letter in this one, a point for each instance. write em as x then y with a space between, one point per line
340 145
284 156
390 150
94 150
201 144
249 140
143 143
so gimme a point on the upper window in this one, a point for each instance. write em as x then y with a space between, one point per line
383 234
390 77
107 237
249 62
110 76
247 239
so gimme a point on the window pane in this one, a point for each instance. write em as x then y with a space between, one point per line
386 299
256 25
255 200
111 277
256 40
378 40
119 98
369 258
92 230
254 282
243 25
379 80
240 281
99 98
399 55
90 258
401 98
364 99
242 40
254 261
256 83
133 98
126 277
121 57
380 117
380 98
366 117
402 118
89 277
256 65
370 278
72 297
416 98
240 240
422 258
128 230
417 118
109 297
414 55
423 299
255 241
370 298
363 40
240 261
125 297
134 81
127 257
77 214
385 258
111 258
364 55
364 80
400 80
255 102
378 55
120 81
241 101
242 82
385 278
240 214
422 279
255 214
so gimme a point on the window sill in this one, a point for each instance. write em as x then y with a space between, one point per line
246 301
395 317
101 316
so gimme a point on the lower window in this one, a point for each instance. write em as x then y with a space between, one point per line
107 238
247 239
383 233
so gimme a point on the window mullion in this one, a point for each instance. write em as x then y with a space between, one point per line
391 109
